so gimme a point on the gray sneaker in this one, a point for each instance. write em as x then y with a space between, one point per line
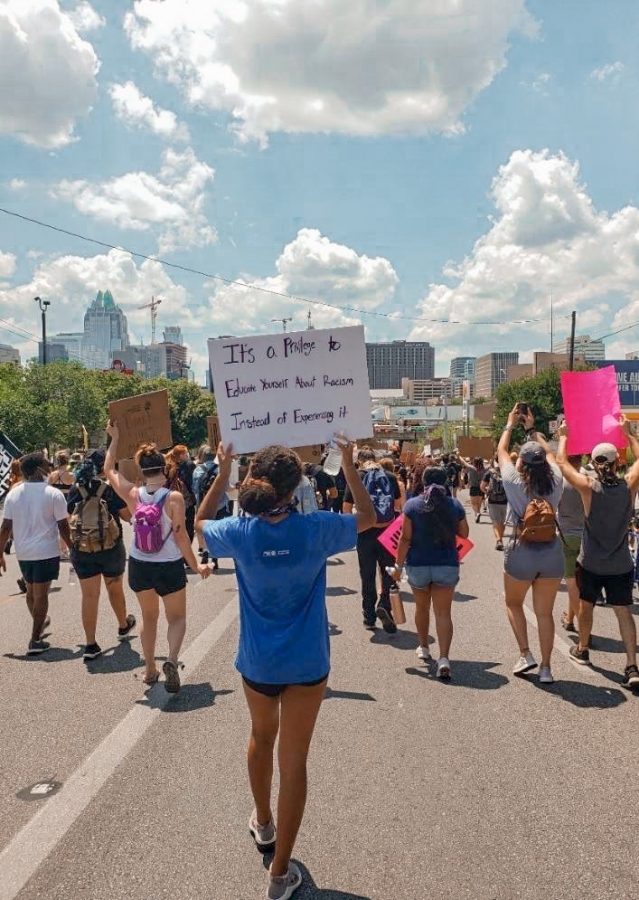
263 835
283 887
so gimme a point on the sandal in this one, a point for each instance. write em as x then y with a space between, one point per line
172 677
567 624
151 679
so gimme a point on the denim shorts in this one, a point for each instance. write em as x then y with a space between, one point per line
423 576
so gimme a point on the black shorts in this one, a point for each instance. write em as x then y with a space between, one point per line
274 690
617 588
110 563
162 577
39 571
476 492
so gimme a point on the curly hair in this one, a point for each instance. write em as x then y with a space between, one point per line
273 475
149 459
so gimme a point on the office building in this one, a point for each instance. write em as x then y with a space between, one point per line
420 391
462 368
173 335
105 332
391 361
542 361
154 360
491 371
72 341
633 355
9 354
55 352
591 350
518 371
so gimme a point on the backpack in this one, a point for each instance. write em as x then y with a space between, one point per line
538 525
206 481
496 490
378 485
92 526
452 473
147 523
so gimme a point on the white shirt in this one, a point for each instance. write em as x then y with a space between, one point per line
35 508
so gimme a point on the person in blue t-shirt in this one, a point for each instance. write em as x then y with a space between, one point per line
428 546
283 656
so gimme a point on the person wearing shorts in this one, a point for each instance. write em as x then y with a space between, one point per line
284 653
158 574
475 471
35 514
428 546
493 489
604 562
527 565
102 565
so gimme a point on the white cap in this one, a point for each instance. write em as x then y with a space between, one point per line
604 451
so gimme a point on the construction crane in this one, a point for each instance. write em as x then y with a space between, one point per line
284 322
153 306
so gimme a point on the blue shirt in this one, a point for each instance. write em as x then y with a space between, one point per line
423 549
281 575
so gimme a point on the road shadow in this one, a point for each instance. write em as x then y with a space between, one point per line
401 640
582 694
340 592
190 698
463 598
120 658
335 562
606 644
347 695
309 890
52 655
465 673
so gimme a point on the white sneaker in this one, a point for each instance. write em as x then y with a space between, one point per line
524 664
545 675
423 653
443 668
284 886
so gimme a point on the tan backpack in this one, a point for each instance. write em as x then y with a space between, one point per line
539 525
93 528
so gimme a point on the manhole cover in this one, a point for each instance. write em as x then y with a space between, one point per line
40 790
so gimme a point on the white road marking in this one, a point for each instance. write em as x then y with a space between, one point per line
34 843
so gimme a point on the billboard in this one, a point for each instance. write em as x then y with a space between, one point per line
627 371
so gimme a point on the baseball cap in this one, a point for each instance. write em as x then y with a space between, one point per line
604 451
96 457
532 453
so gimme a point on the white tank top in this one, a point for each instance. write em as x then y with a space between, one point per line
170 552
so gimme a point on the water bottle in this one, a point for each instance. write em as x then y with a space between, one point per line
333 461
72 577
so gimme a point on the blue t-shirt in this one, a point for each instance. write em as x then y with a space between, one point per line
423 549
281 575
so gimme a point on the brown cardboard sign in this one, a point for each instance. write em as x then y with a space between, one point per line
142 418
310 454
213 429
129 469
470 447
436 444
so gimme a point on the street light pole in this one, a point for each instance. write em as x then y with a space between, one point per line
44 305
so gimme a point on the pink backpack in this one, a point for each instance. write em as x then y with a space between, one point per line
147 523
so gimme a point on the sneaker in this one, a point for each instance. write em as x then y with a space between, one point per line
579 656
215 565
123 633
22 584
524 664
92 651
499 545
282 887
369 624
263 835
386 619
171 676
204 557
477 518
423 653
631 677
545 675
443 669
36 647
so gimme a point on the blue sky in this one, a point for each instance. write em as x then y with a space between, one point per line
399 172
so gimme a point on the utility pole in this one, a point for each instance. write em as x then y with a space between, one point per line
284 322
573 325
44 305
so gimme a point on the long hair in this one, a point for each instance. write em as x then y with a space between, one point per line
440 518
418 476
538 479
273 475
149 459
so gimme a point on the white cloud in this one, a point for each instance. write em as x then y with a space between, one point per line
310 266
547 238
170 202
609 71
17 184
137 111
7 264
541 82
360 68
85 18
47 72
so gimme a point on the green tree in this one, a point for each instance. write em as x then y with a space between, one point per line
542 392
189 405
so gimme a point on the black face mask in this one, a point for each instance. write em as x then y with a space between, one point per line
606 472
281 510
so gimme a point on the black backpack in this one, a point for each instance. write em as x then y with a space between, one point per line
496 490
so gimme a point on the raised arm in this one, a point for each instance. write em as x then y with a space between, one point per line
572 475
118 482
366 516
632 476
503 447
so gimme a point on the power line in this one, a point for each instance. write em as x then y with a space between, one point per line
612 333
22 333
256 287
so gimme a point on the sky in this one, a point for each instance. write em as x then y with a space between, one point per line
437 170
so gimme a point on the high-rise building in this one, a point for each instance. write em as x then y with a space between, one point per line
9 354
55 352
421 390
105 332
462 368
155 360
72 341
391 361
591 350
173 335
491 371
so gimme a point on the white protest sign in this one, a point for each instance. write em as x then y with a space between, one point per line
293 389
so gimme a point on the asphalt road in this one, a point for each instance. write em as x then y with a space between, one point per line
490 787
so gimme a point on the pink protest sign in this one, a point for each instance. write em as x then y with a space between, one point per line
592 408
389 539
